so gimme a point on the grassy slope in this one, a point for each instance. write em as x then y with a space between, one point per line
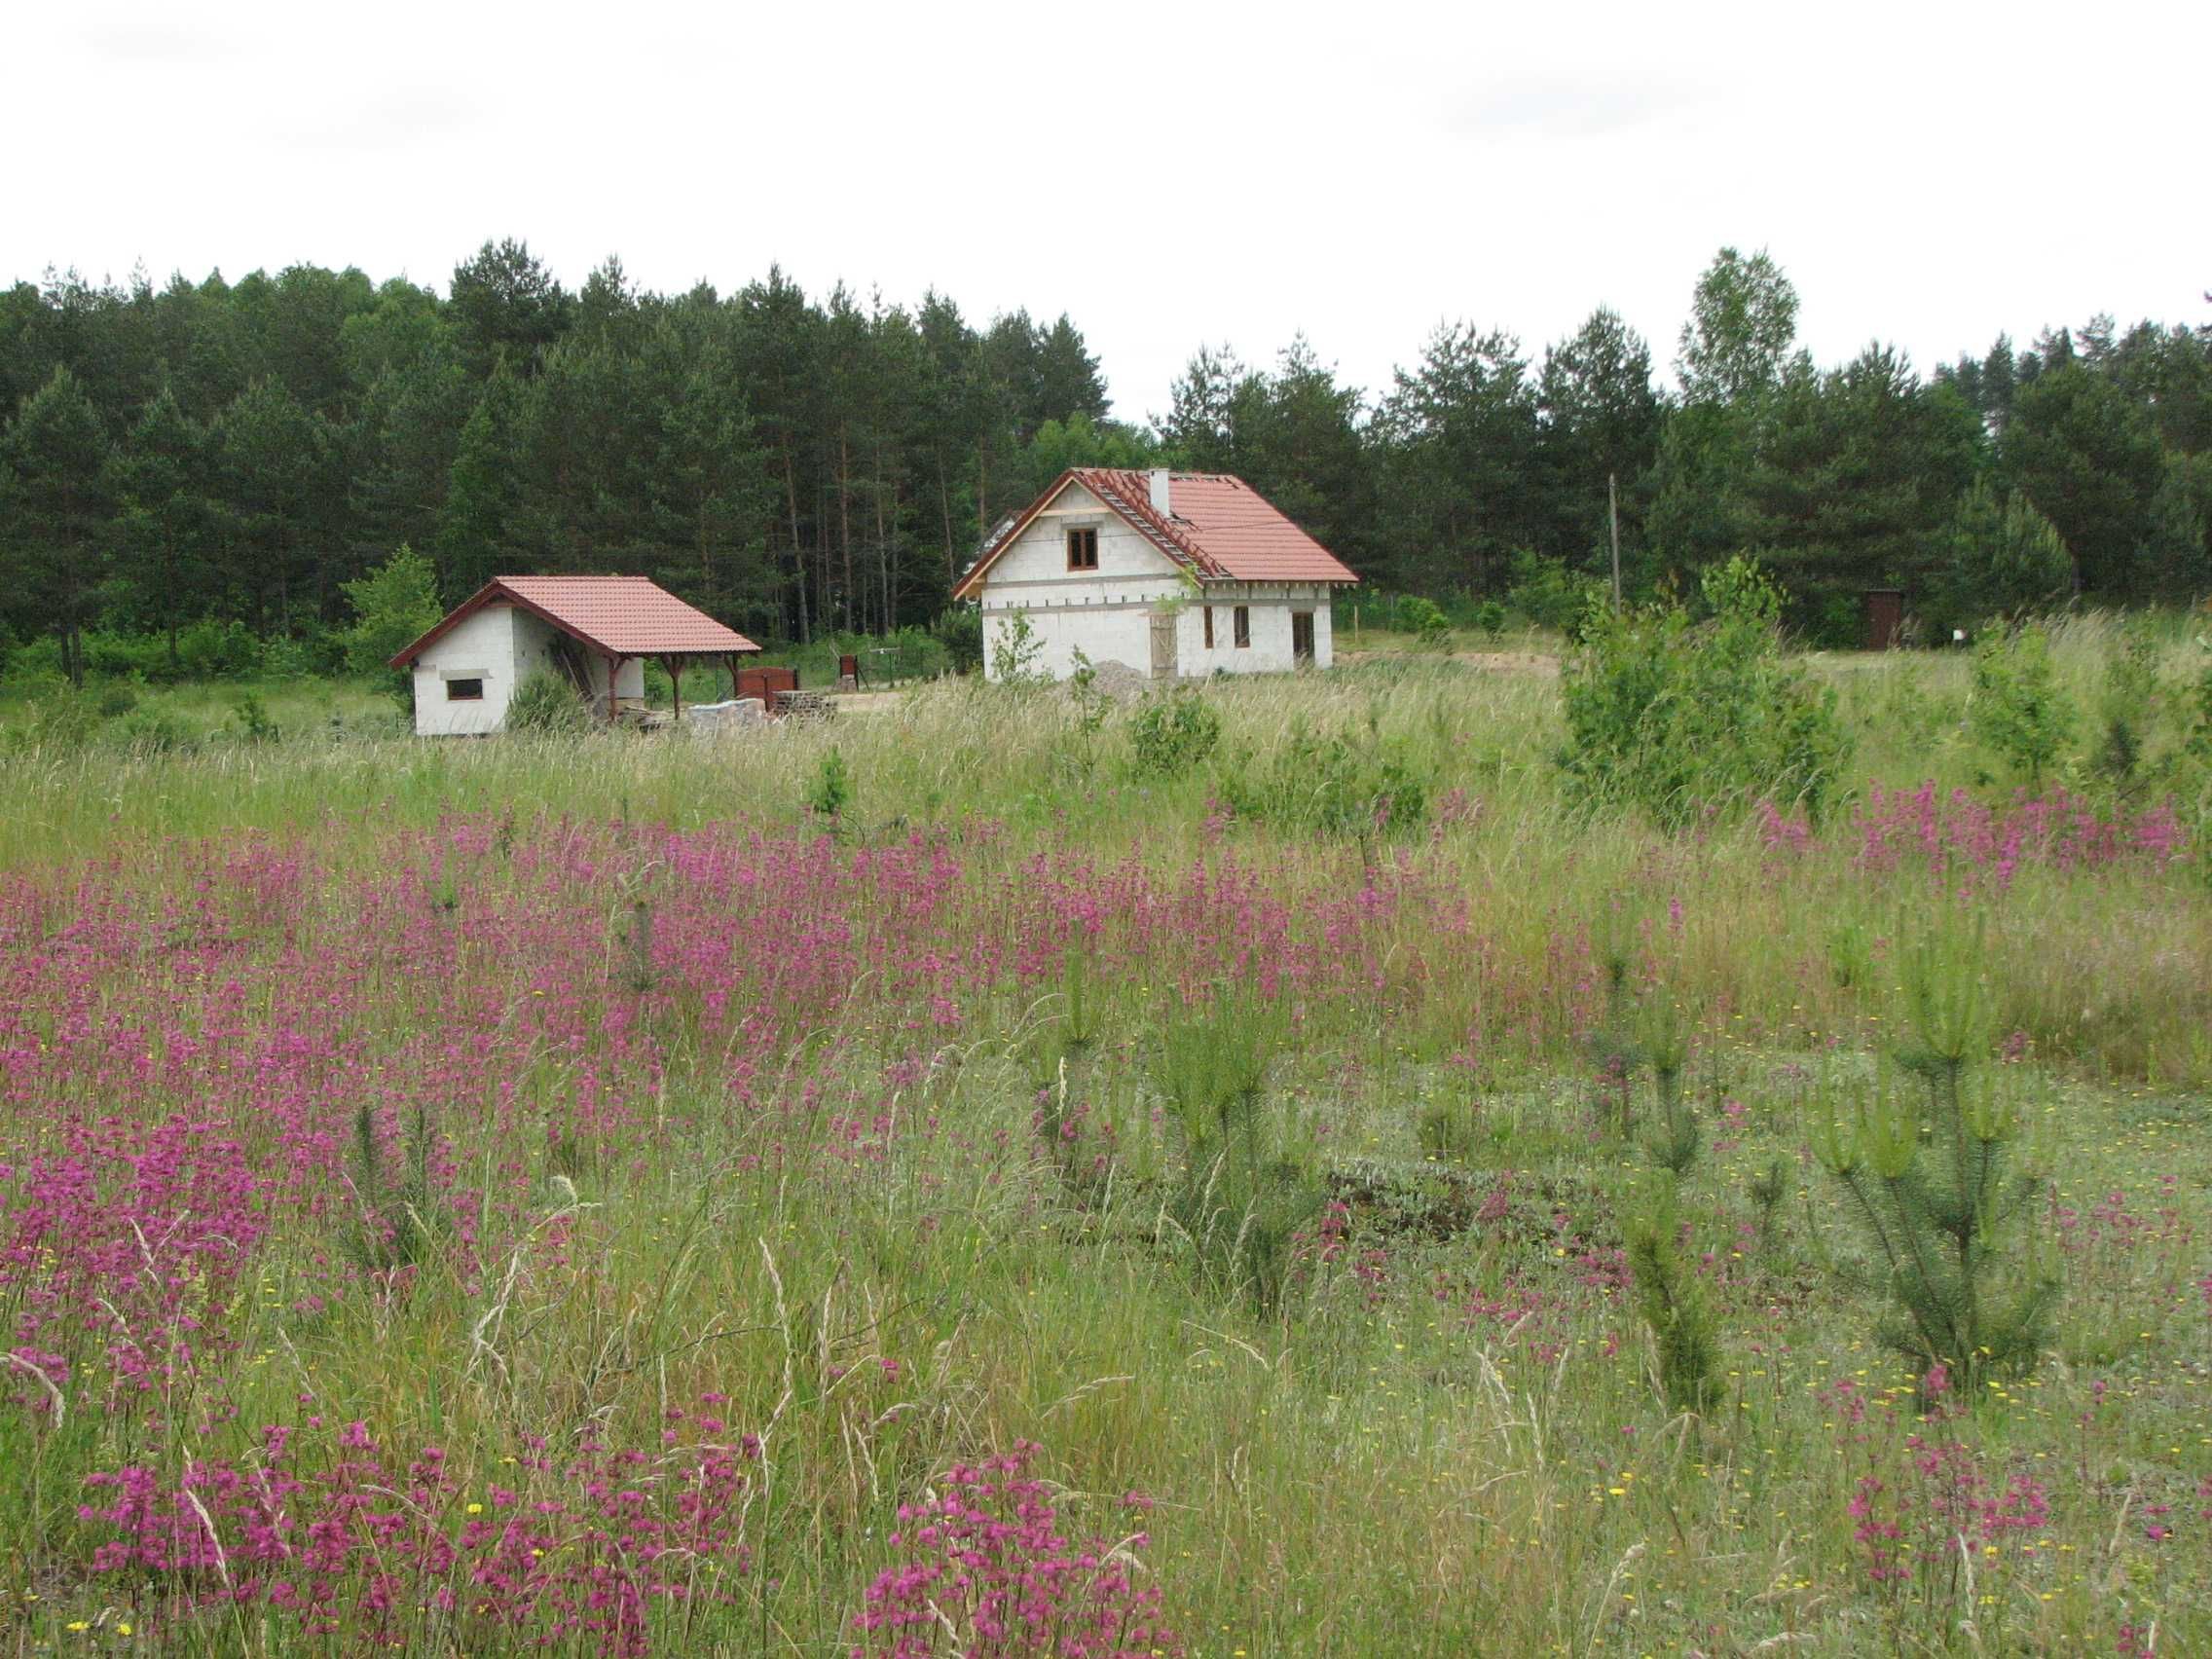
1452 1446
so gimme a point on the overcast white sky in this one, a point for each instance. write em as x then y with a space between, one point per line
1927 173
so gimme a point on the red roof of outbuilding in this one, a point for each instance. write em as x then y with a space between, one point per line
620 616
1217 526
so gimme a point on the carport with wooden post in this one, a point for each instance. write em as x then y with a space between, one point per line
596 632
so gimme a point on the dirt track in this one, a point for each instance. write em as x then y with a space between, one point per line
1496 662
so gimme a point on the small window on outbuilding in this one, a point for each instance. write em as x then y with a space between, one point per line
1209 627
464 691
1082 549
1243 626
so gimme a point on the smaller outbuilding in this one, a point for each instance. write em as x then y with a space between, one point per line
595 632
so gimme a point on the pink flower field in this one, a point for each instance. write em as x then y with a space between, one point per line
540 1233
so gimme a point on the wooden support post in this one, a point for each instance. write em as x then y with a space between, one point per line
675 665
614 671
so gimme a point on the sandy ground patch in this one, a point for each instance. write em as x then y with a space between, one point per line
1496 662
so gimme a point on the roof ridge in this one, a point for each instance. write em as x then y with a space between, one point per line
1219 529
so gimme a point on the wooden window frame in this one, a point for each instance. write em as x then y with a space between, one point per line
455 695
1083 548
1209 627
1241 627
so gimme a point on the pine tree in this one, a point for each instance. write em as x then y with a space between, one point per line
478 519
1935 1188
1068 377
2089 461
165 521
277 482
1601 420
2177 558
507 307
1999 557
1461 445
54 509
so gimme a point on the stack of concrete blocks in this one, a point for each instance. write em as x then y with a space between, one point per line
733 716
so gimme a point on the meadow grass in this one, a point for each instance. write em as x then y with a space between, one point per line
538 1105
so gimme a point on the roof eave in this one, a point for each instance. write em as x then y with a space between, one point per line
497 588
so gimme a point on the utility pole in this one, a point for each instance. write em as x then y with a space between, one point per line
1614 516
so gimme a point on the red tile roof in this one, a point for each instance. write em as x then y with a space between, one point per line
619 615
1218 528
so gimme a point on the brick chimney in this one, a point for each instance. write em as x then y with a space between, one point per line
1160 493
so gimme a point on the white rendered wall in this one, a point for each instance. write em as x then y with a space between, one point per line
1272 605
533 647
1107 613
629 678
482 647
502 646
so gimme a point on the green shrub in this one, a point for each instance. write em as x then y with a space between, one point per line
1332 786
59 721
1425 620
1173 731
2129 709
548 704
1489 617
207 649
2018 709
37 663
1683 717
1547 593
150 731
831 791
960 631
252 718
399 1218
289 659
115 699
1451 1129
1675 1139
1017 651
127 656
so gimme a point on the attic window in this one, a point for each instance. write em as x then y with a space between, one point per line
1082 549
464 691
1243 629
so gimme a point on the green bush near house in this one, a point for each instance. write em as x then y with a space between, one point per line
547 705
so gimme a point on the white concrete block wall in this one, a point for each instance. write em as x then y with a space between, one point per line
503 646
534 646
1107 613
1270 606
481 647
1104 633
